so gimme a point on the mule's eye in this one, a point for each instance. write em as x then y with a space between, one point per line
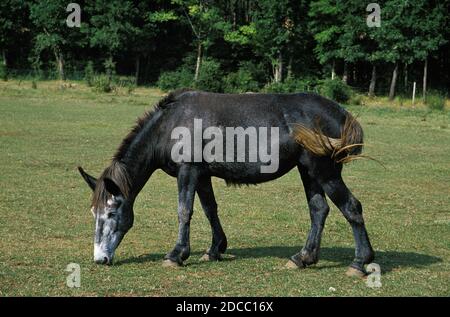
111 215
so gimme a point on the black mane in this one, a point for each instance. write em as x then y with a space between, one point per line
141 121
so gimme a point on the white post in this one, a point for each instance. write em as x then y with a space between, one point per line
414 93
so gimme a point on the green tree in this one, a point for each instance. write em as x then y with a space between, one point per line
276 27
110 27
205 21
391 41
411 30
13 24
427 34
326 25
149 20
52 32
351 46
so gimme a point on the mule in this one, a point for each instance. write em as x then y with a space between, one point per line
315 135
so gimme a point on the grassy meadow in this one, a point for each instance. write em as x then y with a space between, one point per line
45 223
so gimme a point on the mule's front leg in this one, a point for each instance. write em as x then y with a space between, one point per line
187 182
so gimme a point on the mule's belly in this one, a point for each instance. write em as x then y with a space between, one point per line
244 172
287 157
248 173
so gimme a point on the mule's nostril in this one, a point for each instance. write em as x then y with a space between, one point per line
103 260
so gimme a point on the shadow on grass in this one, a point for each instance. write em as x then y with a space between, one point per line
155 257
340 256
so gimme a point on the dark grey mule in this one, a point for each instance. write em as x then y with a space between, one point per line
316 135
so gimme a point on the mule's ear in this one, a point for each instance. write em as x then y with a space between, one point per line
111 187
91 181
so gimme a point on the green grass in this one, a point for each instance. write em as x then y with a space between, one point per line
45 222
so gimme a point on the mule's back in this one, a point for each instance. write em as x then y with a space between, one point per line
257 109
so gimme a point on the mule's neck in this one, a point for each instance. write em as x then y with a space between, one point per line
139 158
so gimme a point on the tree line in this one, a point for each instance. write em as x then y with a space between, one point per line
244 44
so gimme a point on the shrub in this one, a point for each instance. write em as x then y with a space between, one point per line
239 82
180 78
126 82
210 77
102 83
110 67
89 74
435 100
3 71
292 85
275 87
256 70
357 100
336 90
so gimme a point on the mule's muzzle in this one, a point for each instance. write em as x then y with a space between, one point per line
105 261
102 257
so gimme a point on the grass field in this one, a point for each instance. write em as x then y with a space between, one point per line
45 222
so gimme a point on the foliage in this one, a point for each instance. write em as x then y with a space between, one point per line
435 100
103 83
13 20
110 26
210 78
326 26
356 99
292 85
256 71
52 34
241 36
180 78
3 71
110 67
240 82
336 90
89 73
279 31
126 82
279 40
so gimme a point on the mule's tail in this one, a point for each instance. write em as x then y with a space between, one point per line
342 150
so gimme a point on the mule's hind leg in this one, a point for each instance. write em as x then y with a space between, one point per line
318 210
351 208
219 240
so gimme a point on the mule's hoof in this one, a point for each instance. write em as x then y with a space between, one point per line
170 263
206 257
292 265
354 272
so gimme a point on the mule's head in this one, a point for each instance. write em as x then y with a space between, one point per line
113 215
